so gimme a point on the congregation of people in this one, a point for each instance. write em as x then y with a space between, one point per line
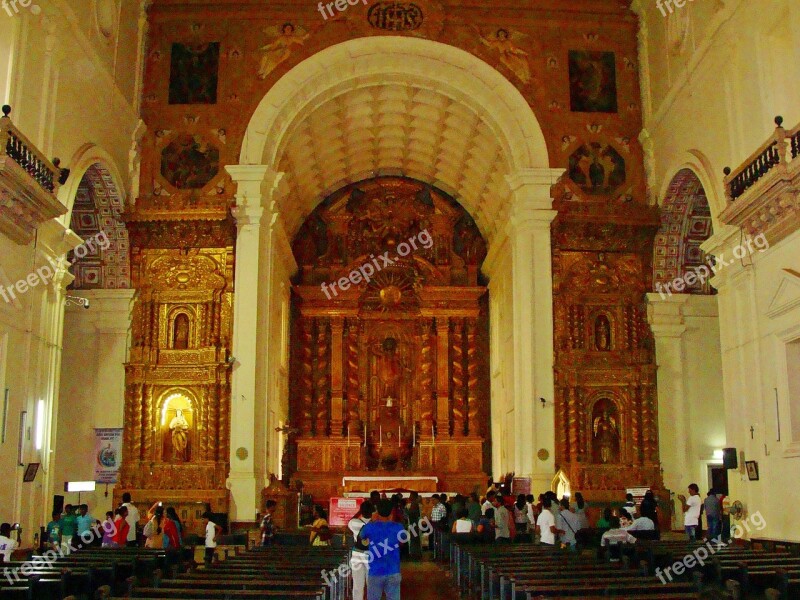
74 528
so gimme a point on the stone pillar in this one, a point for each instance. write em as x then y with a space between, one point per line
255 187
528 232
665 316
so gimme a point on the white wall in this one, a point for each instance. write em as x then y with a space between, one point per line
73 94
92 394
714 74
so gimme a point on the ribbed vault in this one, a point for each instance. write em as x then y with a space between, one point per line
395 106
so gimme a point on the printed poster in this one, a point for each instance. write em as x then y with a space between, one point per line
107 454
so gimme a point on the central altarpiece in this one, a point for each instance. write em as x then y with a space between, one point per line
389 355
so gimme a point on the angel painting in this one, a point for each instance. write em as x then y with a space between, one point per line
284 38
506 43
605 439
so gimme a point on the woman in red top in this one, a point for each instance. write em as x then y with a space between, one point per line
120 538
171 531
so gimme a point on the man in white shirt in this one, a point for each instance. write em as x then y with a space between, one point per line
504 522
490 496
132 518
630 505
641 524
546 524
7 545
691 511
359 555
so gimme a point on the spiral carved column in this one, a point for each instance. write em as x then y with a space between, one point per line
458 377
426 377
306 376
321 378
473 406
351 377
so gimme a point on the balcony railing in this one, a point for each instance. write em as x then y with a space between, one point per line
778 151
763 192
28 184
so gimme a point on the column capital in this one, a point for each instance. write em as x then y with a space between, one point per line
543 178
666 316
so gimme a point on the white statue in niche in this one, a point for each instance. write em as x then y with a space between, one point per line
179 427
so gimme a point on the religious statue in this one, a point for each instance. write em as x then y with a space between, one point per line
389 367
602 333
180 334
606 438
280 48
179 427
514 58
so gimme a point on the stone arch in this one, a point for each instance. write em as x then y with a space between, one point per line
686 223
394 74
102 261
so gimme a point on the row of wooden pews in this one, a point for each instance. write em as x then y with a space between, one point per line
530 572
534 572
80 574
291 573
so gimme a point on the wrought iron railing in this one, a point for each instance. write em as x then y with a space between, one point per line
777 152
22 151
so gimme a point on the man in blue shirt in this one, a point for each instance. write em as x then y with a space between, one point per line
384 537
85 522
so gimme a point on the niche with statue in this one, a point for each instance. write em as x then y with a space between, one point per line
177 428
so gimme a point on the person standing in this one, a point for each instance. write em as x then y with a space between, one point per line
691 511
546 524
109 529
490 496
132 518
414 516
713 510
359 554
54 531
382 536
568 525
120 537
268 524
69 527
521 518
7 544
212 531
320 531
504 522
85 522
630 505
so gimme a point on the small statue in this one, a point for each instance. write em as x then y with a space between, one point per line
179 427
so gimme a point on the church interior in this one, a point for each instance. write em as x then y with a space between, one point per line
254 249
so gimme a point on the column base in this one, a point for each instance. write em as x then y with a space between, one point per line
243 496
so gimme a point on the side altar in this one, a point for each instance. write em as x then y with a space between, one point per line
389 372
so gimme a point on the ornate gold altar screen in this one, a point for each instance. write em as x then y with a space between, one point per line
389 371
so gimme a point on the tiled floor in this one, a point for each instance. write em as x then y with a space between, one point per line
426 581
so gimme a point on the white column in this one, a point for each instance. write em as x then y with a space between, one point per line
666 319
255 184
528 232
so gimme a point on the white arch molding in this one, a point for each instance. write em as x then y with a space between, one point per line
512 206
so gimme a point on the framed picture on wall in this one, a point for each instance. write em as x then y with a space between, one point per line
30 472
752 470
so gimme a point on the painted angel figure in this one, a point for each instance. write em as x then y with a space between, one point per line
505 42
280 48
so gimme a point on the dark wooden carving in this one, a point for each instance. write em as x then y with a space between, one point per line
389 338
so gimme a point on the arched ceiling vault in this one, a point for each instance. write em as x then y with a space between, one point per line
395 106
395 128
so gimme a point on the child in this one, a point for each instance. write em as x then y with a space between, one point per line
212 530
54 531
108 531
